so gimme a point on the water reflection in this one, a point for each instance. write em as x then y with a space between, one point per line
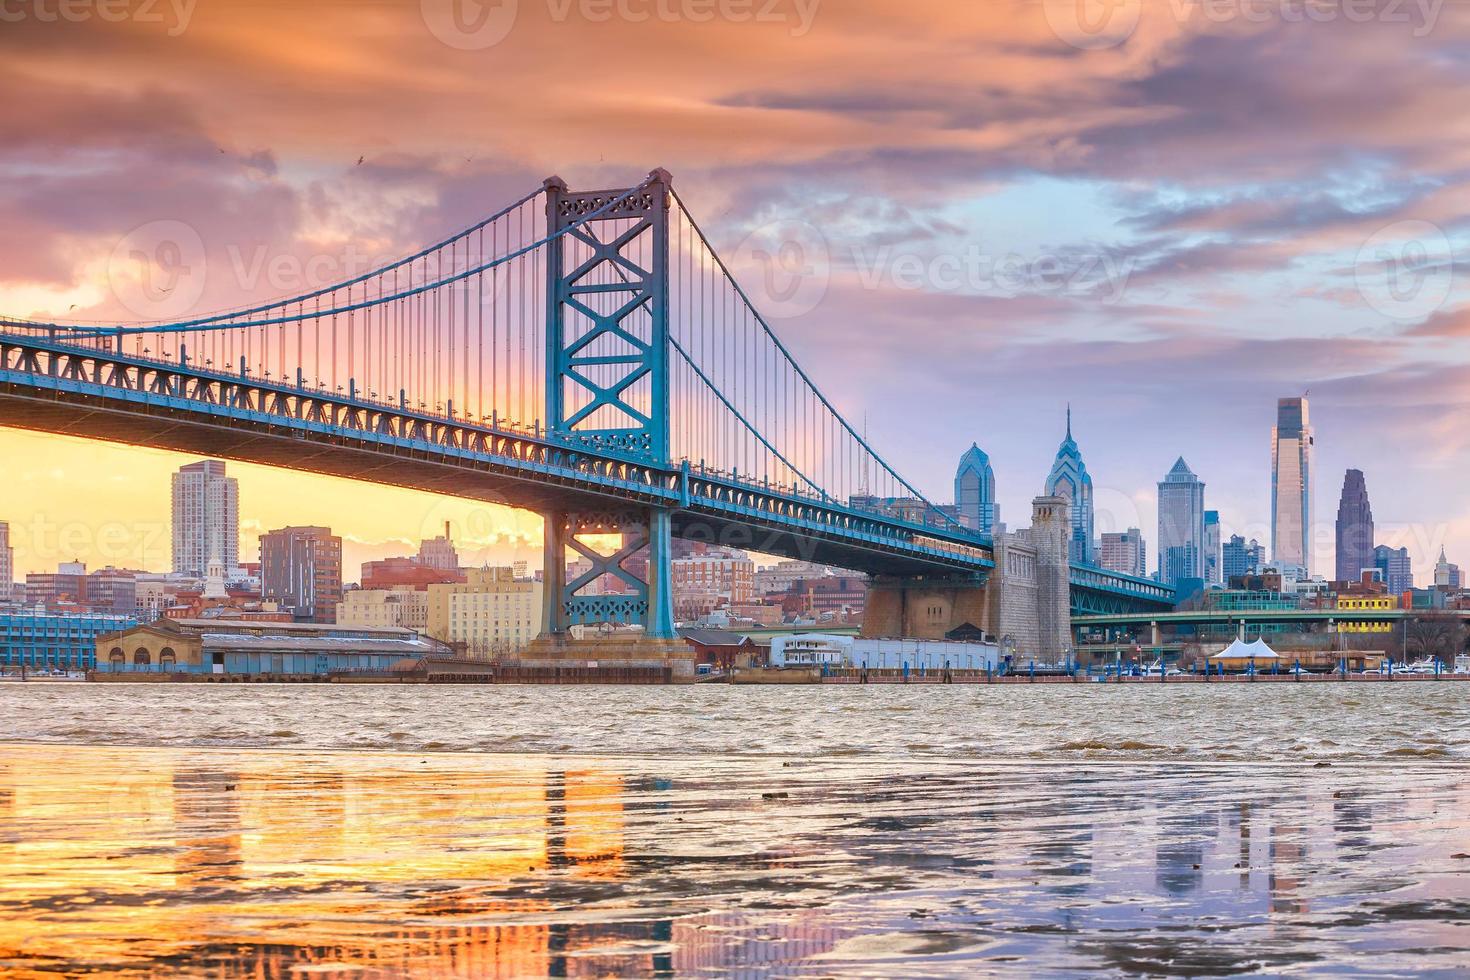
157 861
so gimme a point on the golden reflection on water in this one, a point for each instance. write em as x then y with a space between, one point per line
123 866
147 861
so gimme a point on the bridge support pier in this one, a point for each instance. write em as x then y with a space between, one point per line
625 572
925 608
626 551
1023 604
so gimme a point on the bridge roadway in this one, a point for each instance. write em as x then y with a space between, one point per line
104 394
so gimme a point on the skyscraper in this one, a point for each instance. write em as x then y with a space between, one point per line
974 491
1291 485
1397 569
301 568
1181 525
1238 558
1069 479
206 518
7 563
1124 551
1354 528
1212 548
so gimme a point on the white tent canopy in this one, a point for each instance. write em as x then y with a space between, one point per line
1240 650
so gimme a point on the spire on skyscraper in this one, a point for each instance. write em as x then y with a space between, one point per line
1069 478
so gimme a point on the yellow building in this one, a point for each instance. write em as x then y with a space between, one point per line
1376 602
404 606
491 614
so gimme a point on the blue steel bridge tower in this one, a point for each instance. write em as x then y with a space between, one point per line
607 391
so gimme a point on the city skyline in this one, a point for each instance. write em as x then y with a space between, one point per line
488 533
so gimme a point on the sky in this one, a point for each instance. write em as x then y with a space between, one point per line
1166 213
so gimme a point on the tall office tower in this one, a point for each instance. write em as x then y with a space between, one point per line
1354 529
1396 568
1124 551
1069 479
439 552
206 518
1181 525
974 491
1291 485
1212 548
7 563
1238 558
301 569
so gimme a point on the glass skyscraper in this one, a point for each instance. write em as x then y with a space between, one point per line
974 491
1181 525
1354 528
1069 478
1396 566
1291 485
1213 574
1239 558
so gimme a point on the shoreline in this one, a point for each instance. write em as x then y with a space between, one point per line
796 679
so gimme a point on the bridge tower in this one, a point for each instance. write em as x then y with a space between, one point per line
607 391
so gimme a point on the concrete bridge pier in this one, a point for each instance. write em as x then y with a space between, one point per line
1024 603
639 565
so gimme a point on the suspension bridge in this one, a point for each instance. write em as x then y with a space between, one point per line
586 355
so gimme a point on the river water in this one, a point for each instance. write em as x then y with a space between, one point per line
277 831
